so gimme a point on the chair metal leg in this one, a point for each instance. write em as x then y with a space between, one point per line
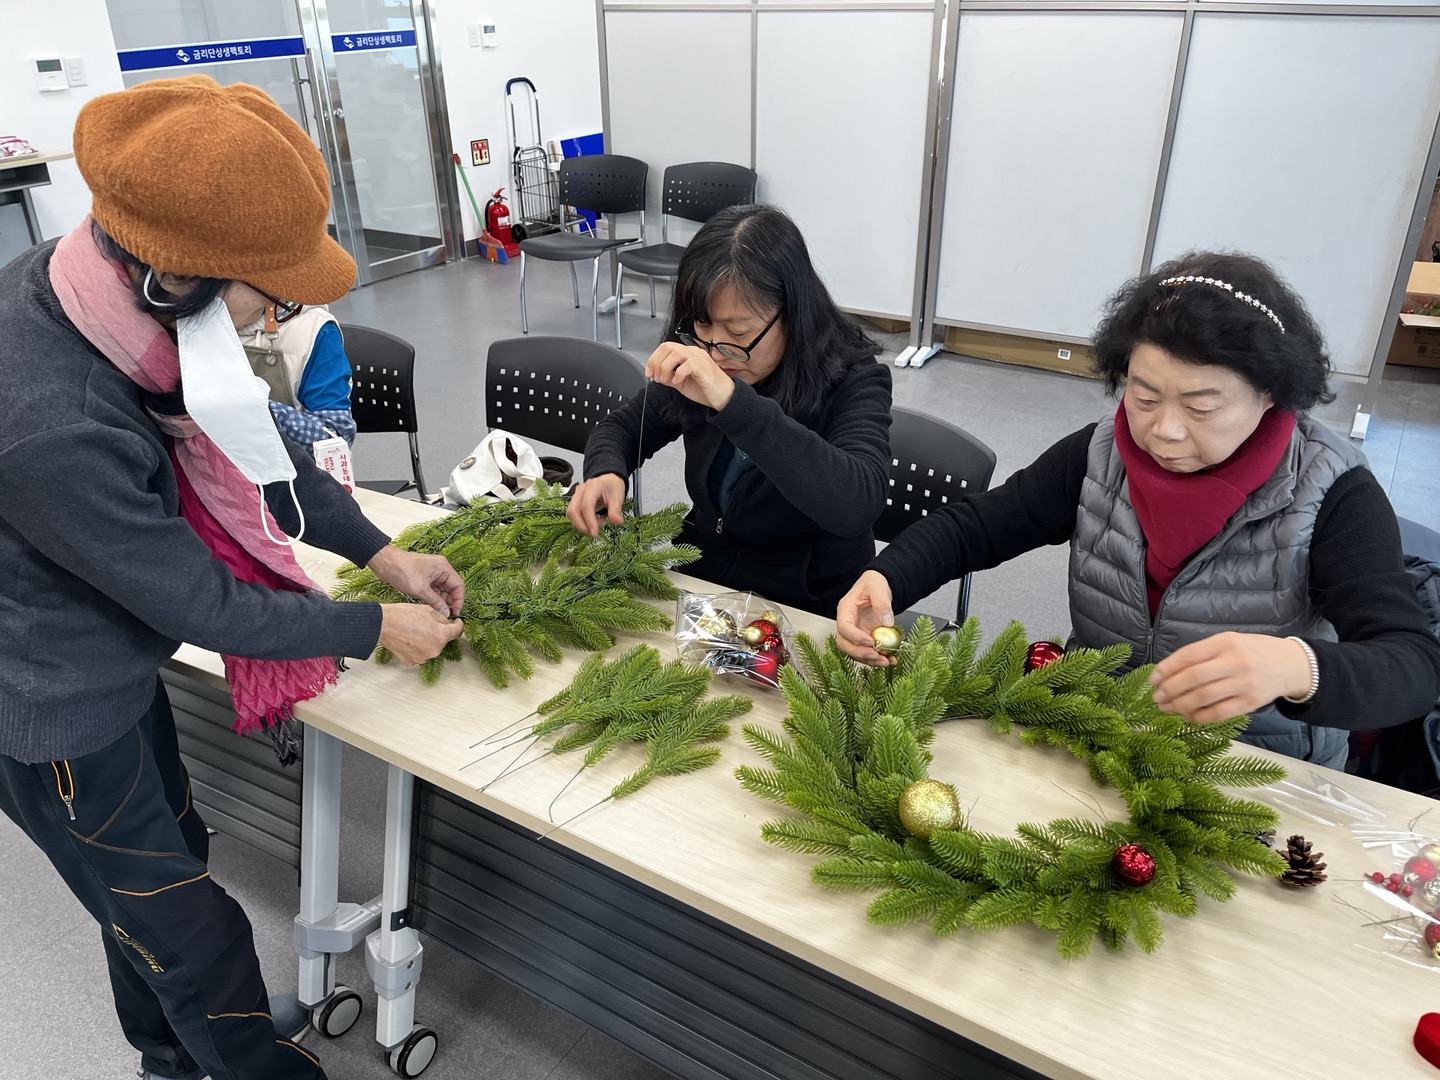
574 285
619 292
652 297
595 300
962 609
415 466
524 321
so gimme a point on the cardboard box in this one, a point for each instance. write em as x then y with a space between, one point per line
890 326
1417 338
1416 342
1014 349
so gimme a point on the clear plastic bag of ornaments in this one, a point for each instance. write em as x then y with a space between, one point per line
1401 894
737 633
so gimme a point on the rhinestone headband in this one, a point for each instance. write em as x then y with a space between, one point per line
1244 298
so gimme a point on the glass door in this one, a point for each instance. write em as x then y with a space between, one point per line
360 78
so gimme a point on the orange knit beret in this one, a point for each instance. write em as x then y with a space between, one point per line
199 179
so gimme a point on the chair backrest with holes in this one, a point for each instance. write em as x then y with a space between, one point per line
697 190
932 463
556 389
603 183
382 379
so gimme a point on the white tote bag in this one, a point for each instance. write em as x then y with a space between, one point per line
502 467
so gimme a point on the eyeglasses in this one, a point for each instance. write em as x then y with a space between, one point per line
728 349
284 309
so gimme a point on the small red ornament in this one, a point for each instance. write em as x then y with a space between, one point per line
1395 880
772 643
1422 868
1132 864
1377 877
764 668
1392 886
1432 934
1041 654
1407 890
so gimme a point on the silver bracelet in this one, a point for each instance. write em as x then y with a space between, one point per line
1314 673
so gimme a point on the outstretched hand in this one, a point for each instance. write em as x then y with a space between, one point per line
865 607
1229 674
427 578
600 494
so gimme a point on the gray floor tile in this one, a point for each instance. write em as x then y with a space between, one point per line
59 1017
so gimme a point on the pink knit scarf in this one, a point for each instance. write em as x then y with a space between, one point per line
215 498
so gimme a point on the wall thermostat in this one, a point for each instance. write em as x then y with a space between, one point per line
487 35
50 74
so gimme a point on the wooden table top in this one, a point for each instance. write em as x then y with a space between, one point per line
1274 983
42 158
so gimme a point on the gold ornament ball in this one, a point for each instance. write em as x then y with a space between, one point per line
718 624
887 640
928 806
770 616
753 635
1435 951
1431 852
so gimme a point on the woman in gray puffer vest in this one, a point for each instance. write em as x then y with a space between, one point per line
1213 526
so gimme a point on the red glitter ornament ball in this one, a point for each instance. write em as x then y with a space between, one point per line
1432 934
1133 865
1422 868
1041 653
772 643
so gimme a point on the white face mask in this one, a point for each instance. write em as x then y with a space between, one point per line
229 403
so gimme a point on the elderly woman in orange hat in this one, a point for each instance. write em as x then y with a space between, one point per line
145 495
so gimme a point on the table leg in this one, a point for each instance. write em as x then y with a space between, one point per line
394 956
32 220
324 926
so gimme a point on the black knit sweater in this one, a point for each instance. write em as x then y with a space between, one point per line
797 529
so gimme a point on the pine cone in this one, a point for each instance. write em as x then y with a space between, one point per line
1306 869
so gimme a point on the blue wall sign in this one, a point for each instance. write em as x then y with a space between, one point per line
372 39
211 52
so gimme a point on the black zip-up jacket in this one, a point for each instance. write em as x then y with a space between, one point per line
798 527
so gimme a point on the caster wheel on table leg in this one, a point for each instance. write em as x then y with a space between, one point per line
338 1013
414 1055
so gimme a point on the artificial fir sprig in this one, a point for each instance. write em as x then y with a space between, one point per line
856 738
636 699
586 588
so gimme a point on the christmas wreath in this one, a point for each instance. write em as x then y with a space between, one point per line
853 761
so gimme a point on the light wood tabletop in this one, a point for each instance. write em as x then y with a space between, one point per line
42 157
1274 983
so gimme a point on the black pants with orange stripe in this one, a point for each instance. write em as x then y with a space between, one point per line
118 826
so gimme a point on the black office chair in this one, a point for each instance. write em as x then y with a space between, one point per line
382 395
605 184
932 463
694 191
556 389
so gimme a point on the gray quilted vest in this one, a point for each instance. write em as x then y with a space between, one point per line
1253 577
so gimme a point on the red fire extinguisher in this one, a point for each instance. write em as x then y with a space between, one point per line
497 218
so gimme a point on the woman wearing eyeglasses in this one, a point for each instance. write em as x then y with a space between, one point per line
299 353
1213 525
783 410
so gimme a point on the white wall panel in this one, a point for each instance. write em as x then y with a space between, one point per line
840 143
1301 140
1058 125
